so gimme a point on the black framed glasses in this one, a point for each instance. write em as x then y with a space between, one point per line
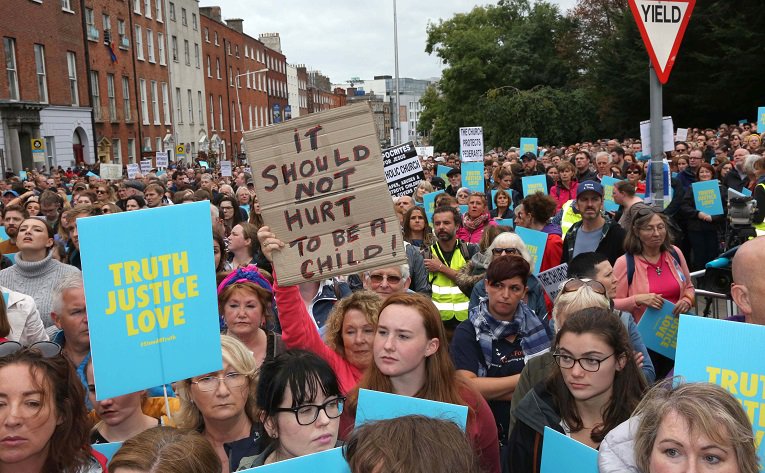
211 383
510 251
308 413
587 363
379 278
45 348
575 284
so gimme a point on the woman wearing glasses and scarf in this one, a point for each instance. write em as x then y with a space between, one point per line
594 388
501 333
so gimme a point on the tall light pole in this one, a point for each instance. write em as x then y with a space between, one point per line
238 103
397 123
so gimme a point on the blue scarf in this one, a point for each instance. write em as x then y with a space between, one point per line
525 325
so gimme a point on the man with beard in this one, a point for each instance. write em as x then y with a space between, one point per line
442 261
594 232
13 215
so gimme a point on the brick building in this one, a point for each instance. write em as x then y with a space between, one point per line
278 100
43 93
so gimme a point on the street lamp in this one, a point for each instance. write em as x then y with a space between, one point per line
397 124
238 103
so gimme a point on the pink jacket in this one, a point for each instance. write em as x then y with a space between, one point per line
625 295
299 331
474 236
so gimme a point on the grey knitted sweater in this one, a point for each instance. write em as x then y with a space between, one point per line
36 279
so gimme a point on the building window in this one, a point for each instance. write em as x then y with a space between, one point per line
161 48
174 47
209 67
139 42
147 8
249 114
124 40
184 20
71 65
220 112
200 106
171 11
126 98
106 20
217 67
111 97
159 146
216 39
90 25
178 106
95 96
212 112
233 116
230 76
131 150
66 5
150 45
238 79
196 55
194 21
246 51
207 35
117 151
186 56
236 50
166 103
191 106
144 103
159 10
42 80
137 6
154 102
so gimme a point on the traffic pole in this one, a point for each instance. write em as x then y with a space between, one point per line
657 140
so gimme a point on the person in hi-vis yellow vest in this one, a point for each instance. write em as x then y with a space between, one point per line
442 261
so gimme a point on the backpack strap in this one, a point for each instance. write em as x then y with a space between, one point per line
630 268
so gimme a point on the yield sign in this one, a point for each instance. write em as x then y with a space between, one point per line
662 25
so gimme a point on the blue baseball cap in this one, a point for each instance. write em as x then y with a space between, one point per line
589 186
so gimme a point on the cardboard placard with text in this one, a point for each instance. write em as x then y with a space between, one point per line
322 190
111 171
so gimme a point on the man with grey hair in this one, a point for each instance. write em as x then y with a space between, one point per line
737 178
71 318
602 165
388 281
217 222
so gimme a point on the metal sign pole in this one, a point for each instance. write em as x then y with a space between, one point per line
657 140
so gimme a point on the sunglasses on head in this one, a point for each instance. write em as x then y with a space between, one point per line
45 348
644 212
575 284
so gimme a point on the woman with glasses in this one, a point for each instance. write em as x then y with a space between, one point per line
230 213
349 329
221 405
300 405
43 419
704 231
490 348
245 303
463 195
635 175
417 231
596 386
411 358
110 208
105 194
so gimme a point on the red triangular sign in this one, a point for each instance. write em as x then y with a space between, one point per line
662 25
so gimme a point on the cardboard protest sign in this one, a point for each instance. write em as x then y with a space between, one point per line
472 176
471 144
328 461
529 145
146 166
707 197
132 170
668 135
536 242
728 354
152 305
534 184
658 329
552 279
319 180
562 453
225 169
608 193
376 405
425 151
161 159
111 171
760 119
682 134
403 170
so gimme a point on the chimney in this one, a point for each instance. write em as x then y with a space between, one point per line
212 13
236 24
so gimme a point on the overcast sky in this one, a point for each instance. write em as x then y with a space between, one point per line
345 39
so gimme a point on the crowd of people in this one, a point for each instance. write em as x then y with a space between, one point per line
464 321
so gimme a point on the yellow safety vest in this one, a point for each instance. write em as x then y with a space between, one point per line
447 297
760 226
569 217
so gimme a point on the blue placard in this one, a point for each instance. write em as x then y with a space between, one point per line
441 172
472 176
3 236
429 203
107 449
608 193
760 119
743 121
463 209
534 184
564 454
204 164
505 222
375 405
328 461
658 329
706 195
246 208
160 173
91 174
151 297
11 257
23 175
728 354
529 145
536 242
746 192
